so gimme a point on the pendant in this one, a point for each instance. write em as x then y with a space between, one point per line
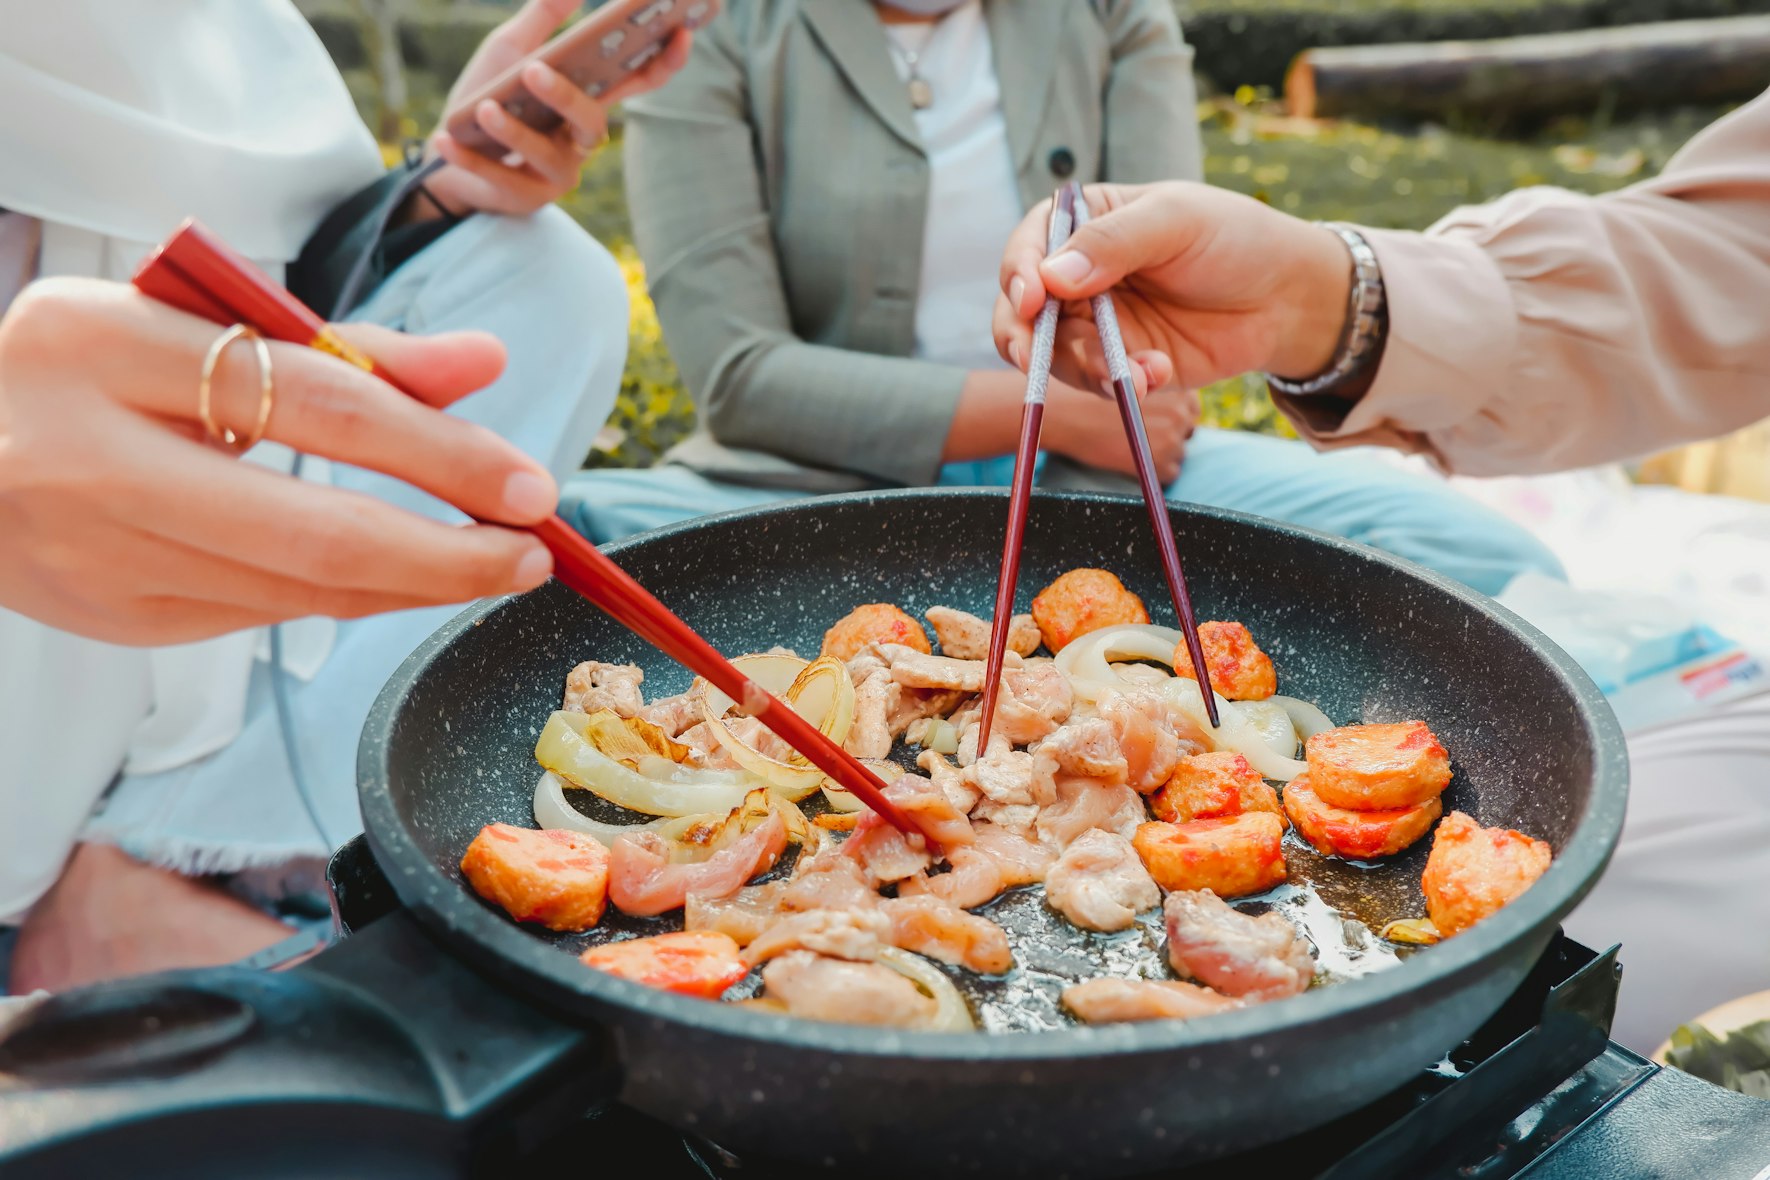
921 94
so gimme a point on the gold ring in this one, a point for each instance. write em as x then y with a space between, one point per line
223 436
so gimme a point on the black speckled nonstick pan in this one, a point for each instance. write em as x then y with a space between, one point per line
449 748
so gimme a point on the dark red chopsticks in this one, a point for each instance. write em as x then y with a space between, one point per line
196 272
1106 322
1069 211
1032 420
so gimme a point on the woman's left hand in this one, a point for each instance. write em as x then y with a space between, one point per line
542 167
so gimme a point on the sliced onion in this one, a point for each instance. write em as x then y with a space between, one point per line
822 692
773 671
1273 724
552 811
845 801
941 736
679 791
1305 717
1087 661
951 1013
1236 732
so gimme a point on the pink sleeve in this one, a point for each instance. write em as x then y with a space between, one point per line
1549 330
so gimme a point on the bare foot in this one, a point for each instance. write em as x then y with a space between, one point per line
110 916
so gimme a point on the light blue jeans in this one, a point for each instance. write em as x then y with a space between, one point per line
1338 492
556 299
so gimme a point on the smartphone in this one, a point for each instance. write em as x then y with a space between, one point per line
607 45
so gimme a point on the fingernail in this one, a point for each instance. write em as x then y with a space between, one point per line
1014 353
1072 266
528 496
535 567
1016 288
536 75
489 111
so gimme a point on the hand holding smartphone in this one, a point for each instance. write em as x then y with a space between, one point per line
529 108
608 46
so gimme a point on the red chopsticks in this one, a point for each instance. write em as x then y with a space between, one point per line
1069 211
1032 419
196 272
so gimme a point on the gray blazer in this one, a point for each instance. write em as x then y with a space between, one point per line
778 194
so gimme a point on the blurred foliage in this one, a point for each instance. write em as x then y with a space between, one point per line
1253 41
1404 178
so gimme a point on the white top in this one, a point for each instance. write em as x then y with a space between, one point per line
117 121
973 198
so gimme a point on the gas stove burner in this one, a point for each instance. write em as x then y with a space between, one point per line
1541 1068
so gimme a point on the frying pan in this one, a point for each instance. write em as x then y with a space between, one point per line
447 1017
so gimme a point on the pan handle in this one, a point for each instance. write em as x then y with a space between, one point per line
384 1052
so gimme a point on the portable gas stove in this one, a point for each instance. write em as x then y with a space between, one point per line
1539 1092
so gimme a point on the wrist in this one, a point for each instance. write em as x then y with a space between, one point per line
1315 306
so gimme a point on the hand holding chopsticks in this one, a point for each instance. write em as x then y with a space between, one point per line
1069 211
197 273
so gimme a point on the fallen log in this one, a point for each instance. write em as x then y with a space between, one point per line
1671 63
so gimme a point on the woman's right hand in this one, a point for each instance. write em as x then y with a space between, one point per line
117 521
1207 284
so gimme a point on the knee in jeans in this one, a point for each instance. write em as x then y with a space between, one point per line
560 257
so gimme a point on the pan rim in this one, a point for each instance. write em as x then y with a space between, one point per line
541 971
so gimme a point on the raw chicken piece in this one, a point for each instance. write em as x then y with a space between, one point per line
705 749
966 637
1210 786
973 879
1022 819
874 699
1089 749
1021 861
928 807
1239 669
856 935
1100 884
1007 777
740 917
1115 1001
643 882
968 722
1377 767
929 926
1474 871
1254 958
1083 804
696 963
876 622
554 877
592 687
885 853
673 714
865 662
950 780
1035 699
1149 735
828 881
916 669
1081 601
1231 857
919 704
852 993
